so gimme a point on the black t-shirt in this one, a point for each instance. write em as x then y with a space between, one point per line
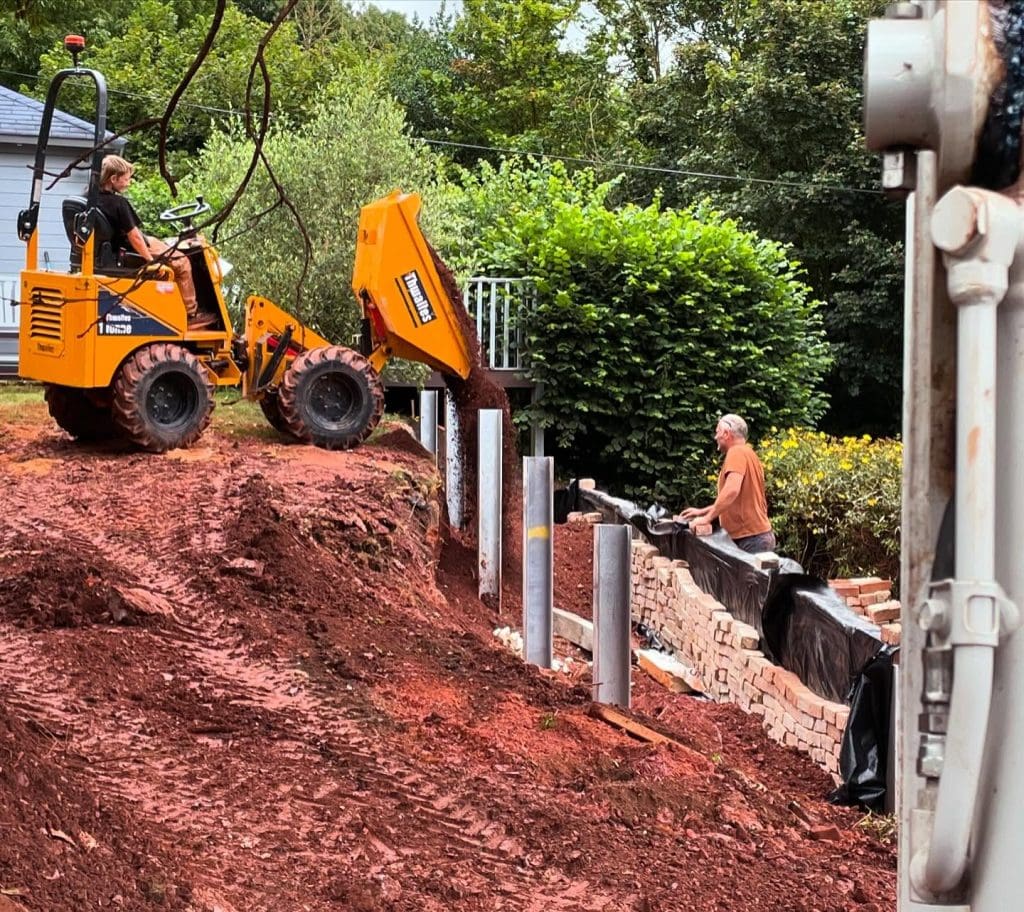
121 215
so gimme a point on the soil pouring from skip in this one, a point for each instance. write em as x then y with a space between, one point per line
479 391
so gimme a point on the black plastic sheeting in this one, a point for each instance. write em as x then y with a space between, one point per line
810 630
864 751
803 624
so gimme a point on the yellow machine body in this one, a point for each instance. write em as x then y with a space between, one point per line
267 329
402 295
76 329
112 343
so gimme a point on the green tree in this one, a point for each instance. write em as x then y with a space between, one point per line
30 27
640 30
148 59
512 81
650 322
770 91
353 149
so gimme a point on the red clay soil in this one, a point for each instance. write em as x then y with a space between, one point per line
251 676
574 568
475 392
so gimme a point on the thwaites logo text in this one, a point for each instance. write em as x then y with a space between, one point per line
118 318
418 296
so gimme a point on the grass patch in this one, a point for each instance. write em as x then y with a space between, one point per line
240 418
15 393
21 404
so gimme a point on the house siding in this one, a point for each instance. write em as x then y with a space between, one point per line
15 186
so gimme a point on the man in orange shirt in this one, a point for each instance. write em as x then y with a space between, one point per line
741 505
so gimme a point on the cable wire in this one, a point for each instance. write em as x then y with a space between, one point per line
546 156
679 172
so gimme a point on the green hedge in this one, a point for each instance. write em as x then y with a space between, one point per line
835 502
650 324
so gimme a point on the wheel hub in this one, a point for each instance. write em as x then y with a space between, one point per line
170 400
332 398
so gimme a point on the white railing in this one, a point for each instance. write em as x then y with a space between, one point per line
9 289
495 305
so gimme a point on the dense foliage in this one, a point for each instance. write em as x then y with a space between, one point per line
650 323
770 91
835 502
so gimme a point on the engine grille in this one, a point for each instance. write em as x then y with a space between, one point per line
47 315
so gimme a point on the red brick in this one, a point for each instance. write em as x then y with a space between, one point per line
891 634
884 612
870 584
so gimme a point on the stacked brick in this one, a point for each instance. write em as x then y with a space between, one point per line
725 656
871 596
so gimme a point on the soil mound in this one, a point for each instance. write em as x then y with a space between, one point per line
48 586
309 711
398 438
63 845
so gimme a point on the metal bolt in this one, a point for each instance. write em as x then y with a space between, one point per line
933 616
955 222
934 723
899 173
931 756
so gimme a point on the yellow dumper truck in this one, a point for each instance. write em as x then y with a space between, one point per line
109 338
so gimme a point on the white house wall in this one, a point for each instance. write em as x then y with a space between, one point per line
15 185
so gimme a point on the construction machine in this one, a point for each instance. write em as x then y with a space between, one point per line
110 339
944 96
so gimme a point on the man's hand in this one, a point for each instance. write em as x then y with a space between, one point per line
693 513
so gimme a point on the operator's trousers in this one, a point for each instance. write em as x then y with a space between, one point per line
182 272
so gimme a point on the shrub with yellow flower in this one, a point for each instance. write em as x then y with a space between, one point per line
835 502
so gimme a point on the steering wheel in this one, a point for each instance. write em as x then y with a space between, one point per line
185 212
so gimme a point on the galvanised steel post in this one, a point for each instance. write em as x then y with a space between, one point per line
611 614
453 464
489 484
538 558
428 420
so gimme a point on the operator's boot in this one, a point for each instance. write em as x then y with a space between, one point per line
201 320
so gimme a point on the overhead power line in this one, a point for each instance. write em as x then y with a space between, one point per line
679 172
138 97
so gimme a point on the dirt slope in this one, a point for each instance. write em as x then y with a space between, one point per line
252 676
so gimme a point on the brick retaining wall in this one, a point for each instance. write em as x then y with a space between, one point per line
871 597
723 653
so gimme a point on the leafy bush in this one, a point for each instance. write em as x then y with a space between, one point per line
835 502
650 324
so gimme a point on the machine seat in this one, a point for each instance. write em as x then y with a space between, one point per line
106 260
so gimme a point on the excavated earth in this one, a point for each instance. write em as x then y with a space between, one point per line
256 676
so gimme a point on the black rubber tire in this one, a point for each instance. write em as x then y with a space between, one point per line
271 405
79 415
331 397
163 398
